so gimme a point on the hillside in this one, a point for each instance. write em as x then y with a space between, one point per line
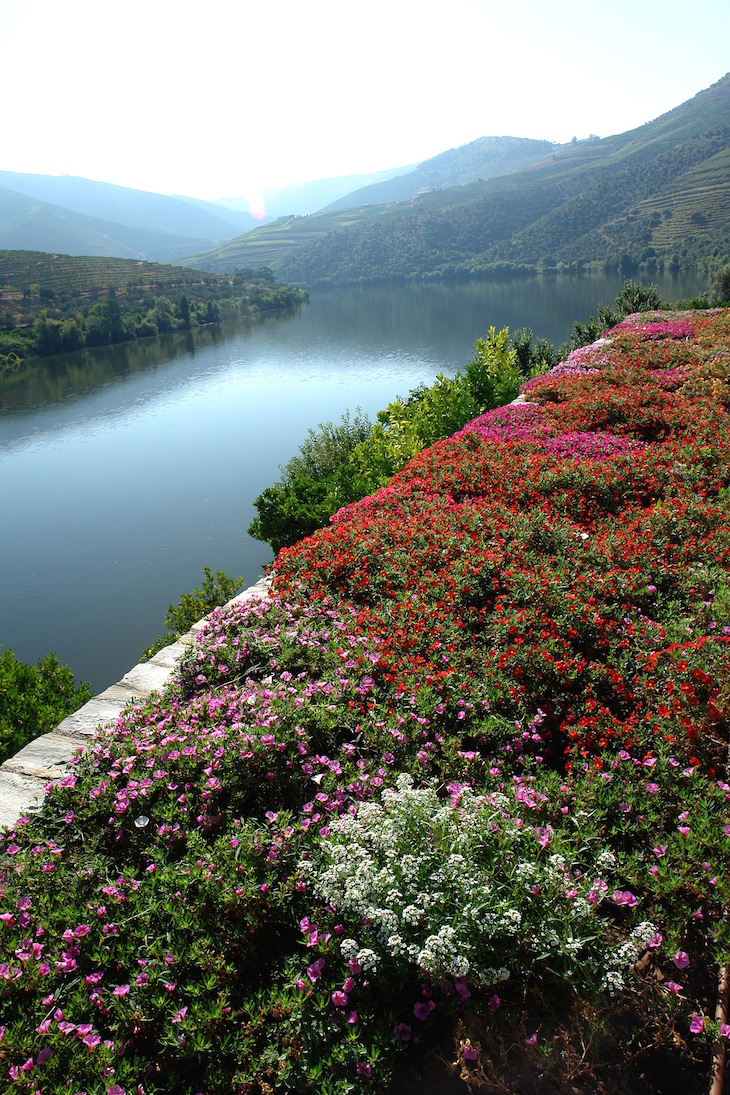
455 795
271 242
82 217
55 303
659 194
300 199
480 159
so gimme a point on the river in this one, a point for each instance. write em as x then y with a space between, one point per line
124 471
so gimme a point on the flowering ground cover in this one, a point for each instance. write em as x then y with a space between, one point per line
461 781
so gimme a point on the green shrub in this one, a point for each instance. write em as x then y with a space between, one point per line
216 590
493 376
34 699
720 287
340 464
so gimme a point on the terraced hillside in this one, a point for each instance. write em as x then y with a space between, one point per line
657 196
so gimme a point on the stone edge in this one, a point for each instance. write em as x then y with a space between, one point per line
25 776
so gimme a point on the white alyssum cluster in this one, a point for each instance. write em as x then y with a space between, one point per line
461 890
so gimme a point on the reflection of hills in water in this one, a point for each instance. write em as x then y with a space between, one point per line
54 380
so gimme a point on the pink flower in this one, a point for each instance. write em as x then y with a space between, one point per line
364 1069
698 1024
469 1053
673 986
339 999
660 850
532 1040
121 990
314 971
180 1015
681 960
423 1009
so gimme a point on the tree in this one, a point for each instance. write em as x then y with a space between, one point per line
720 287
34 699
216 590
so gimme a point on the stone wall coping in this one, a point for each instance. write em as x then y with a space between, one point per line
25 776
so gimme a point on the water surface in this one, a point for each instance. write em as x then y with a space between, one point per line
124 471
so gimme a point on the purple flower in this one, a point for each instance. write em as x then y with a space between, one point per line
469 1052
364 1069
423 1009
681 960
494 1003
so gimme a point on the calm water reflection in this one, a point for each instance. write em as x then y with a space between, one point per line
123 472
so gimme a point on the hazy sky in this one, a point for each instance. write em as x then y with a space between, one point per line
218 99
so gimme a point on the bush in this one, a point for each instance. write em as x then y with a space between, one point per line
720 287
216 590
493 375
341 464
34 699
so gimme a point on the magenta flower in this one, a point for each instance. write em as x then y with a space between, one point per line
698 1024
532 1040
469 1052
681 960
673 986
423 1009
314 971
339 999
660 850
120 990
364 1069
180 1015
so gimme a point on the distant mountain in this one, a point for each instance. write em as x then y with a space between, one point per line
31 225
480 159
356 204
83 217
659 194
300 199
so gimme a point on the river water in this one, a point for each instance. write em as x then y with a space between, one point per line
124 471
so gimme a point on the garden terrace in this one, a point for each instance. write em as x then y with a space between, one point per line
461 780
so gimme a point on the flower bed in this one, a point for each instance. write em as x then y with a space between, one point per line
463 776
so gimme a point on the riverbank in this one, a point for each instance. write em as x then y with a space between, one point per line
462 777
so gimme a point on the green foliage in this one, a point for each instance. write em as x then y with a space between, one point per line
289 511
633 296
720 287
493 375
34 699
340 464
101 302
327 447
216 589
